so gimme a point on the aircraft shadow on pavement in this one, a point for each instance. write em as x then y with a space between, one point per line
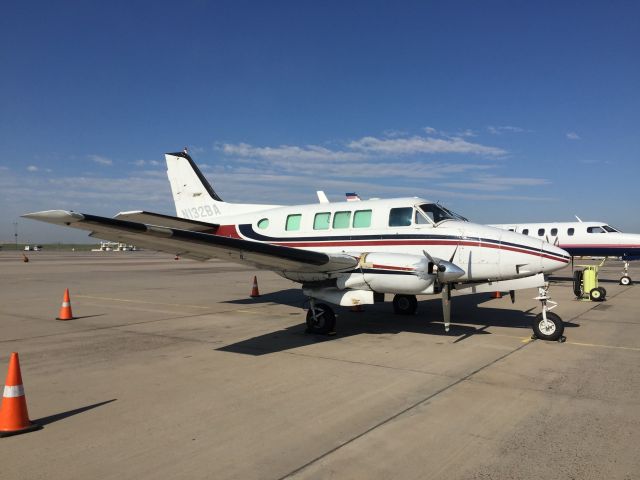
69 413
467 320
291 296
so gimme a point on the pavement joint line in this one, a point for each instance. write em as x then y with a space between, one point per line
107 327
402 412
354 362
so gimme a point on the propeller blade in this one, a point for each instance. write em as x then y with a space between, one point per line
446 306
453 254
512 294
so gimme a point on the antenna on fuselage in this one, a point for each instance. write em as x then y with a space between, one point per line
322 198
578 218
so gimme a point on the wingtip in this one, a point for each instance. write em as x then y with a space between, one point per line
55 216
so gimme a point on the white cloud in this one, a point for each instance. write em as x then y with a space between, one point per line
394 133
573 136
504 129
467 133
142 163
494 183
32 168
425 145
290 152
100 160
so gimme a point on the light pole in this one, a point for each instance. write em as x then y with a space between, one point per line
15 229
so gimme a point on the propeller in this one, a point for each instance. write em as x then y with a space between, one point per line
446 272
512 294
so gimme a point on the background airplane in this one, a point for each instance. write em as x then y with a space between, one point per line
345 253
585 239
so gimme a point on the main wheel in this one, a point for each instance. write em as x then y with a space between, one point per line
595 295
577 283
324 321
551 329
603 291
625 280
405 304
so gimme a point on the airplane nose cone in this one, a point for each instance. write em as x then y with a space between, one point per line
553 258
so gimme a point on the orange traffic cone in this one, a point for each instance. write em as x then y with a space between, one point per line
25 259
496 295
14 418
65 309
254 289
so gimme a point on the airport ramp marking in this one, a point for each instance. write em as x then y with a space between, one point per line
596 345
126 300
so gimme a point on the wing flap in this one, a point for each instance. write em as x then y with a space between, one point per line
152 218
199 245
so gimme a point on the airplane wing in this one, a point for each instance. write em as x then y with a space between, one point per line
199 245
166 221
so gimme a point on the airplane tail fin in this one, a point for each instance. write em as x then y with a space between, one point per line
193 195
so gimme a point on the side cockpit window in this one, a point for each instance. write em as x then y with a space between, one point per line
400 217
595 230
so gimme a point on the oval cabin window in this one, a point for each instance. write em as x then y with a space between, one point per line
264 223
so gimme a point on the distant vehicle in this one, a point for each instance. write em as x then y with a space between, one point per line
585 239
34 248
345 253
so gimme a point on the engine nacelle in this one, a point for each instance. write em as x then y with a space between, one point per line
391 273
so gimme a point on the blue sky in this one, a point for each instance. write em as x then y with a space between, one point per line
505 111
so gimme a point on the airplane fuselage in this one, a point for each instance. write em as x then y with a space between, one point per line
583 239
395 227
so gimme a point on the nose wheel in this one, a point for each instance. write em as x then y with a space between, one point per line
547 325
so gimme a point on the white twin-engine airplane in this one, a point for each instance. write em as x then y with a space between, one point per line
345 253
586 239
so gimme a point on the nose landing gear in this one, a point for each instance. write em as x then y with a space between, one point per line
547 325
625 279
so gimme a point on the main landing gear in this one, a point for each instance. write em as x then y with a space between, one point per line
547 325
625 279
405 304
321 318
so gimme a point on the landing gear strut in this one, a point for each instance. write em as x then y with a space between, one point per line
547 325
625 279
320 318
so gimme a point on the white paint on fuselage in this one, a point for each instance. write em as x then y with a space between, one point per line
586 238
477 247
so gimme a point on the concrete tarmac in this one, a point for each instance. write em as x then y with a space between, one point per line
170 370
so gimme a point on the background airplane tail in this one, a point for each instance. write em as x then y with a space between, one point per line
193 195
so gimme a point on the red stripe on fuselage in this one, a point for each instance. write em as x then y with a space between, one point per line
232 231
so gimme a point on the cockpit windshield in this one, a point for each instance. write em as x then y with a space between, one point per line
437 213
609 229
